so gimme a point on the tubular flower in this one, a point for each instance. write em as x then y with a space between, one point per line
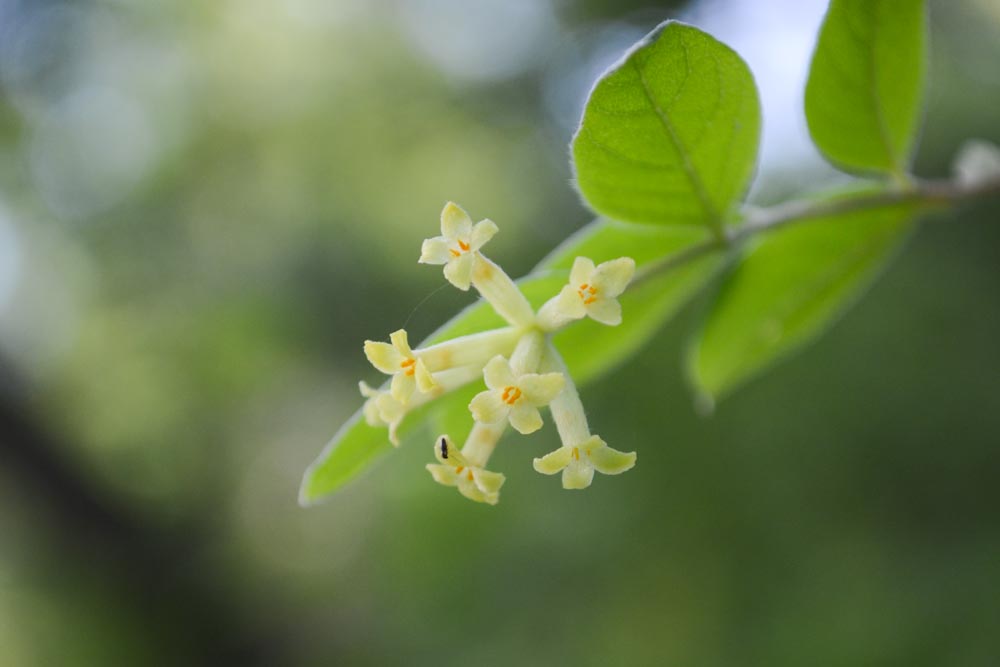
514 398
370 409
458 246
382 409
455 469
518 362
398 360
578 462
593 291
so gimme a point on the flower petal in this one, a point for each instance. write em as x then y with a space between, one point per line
447 453
459 271
488 481
569 304
612 277
370 408
488 407
606 311
469 489
402 387
498 374
610 461
455 222
399 341
541 389
435 251
582 269
577 475
389 409
481 233
383 356
553 462
370 411
394 433
425 381
442 474
525 418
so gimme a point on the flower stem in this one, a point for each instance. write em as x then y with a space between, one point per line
473 350
566 408
496 287
528 352
482 440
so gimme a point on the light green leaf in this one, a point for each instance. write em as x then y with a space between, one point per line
670 134
789 289
349 452
588 348
863 97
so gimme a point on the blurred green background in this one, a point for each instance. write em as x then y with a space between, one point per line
205 208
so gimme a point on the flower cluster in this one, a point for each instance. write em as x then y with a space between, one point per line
519 365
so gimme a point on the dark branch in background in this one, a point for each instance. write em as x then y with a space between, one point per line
933 194
142 564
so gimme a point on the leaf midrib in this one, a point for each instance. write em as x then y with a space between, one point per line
689 170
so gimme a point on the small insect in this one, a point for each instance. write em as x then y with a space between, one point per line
444 448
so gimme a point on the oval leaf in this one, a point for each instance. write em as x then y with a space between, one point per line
863 97
790 288
670 134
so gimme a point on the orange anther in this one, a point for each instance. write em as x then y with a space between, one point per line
408 366
584 289
464 246
454 253
468 476
589 300
459 469
510 395
576 453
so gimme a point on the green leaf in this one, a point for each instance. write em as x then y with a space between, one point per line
789 289
349 452
588 348
670 134
863 97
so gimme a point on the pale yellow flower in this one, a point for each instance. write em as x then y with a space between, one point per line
458 246
578 462
514 397
593 291
397 359
454 469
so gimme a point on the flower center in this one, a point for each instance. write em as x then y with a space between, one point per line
462 247
587 293
409 365
510 395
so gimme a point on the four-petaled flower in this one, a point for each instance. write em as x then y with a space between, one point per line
454 469
594 290
382 409
458 245
398 360
516 398
578 462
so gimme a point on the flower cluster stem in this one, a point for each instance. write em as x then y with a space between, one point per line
500 291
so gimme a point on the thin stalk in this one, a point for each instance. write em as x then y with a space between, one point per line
941 194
